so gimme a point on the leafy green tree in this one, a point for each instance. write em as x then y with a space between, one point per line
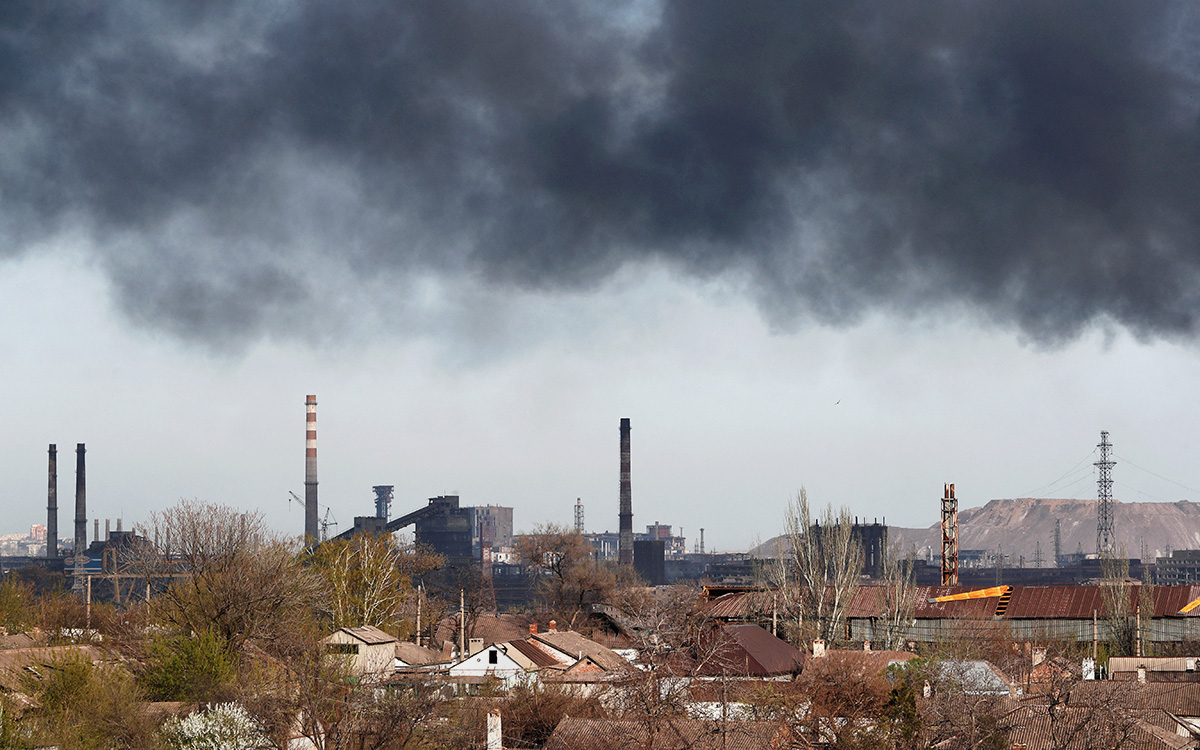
193 668
16 603
83 707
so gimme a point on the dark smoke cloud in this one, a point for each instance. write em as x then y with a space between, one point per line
1034 161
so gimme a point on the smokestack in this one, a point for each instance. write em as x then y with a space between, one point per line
107 529
52 505
310 471
118 525
80 501
625 544
95 529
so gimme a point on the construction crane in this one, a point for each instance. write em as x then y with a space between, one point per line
325 522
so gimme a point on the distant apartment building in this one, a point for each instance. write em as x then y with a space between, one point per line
1183 566
491 525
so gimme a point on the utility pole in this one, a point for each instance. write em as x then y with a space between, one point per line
462 625
1057 542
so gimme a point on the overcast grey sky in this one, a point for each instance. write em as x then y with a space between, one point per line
864 247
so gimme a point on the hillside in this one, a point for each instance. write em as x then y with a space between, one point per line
1017 525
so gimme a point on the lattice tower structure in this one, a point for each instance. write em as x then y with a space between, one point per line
1057 541
1104 508
579 515
383 500
949 536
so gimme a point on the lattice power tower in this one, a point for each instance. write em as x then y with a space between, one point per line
1104 509
949 536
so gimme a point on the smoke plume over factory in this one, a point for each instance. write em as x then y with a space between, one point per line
1036 162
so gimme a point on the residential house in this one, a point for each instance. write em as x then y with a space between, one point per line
491 664
368 651
745 650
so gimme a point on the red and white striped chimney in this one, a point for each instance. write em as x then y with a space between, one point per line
310 470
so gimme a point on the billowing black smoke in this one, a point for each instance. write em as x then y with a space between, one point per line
1036 161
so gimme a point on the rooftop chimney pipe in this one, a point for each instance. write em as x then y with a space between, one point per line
310 471
625 543
52 505
80 501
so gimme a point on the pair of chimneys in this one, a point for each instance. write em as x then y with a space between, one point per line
80 502
533 628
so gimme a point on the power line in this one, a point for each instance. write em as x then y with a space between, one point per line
1045 487
1066 490
1159 476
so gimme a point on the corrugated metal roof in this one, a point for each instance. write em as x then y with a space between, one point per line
1152 663
1075 602
1042 602
740 605
536 655
370 635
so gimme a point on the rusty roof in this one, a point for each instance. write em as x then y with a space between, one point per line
1075 601
669 734
737 605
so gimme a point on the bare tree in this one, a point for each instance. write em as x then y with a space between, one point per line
225 573
821 570
899 599
1124 600
567 579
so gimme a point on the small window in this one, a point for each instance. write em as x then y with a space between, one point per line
341 648
493 657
